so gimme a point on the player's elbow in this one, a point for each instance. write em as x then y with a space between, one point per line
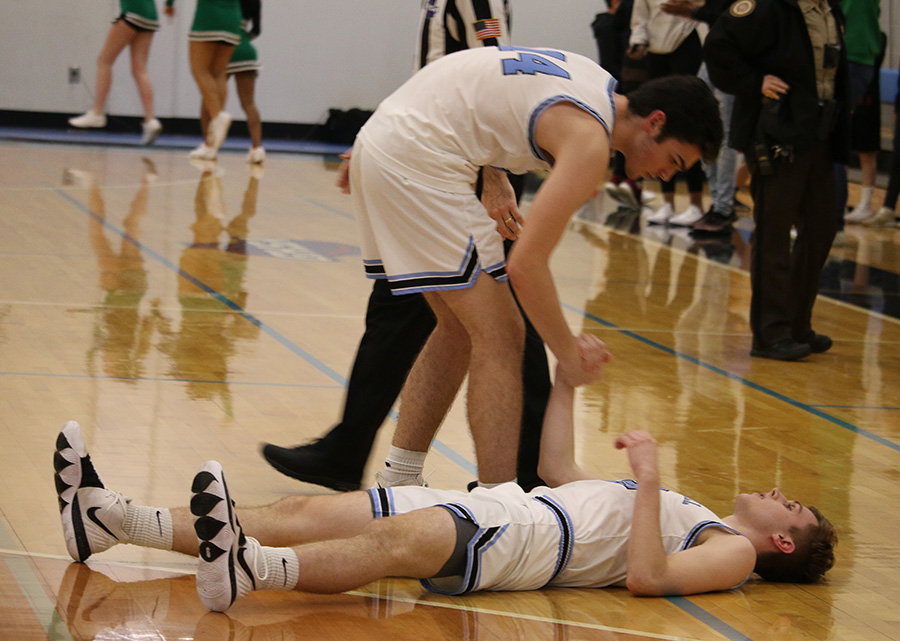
516 270
645 584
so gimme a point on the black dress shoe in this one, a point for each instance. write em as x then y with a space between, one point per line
310 464
786 349
818 343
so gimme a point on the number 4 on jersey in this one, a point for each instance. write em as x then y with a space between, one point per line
532 61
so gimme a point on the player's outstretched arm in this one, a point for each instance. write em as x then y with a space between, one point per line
556 463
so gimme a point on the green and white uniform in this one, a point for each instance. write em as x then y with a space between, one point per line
217 21
140 14
244 56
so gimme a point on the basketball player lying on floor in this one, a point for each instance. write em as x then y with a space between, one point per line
579 532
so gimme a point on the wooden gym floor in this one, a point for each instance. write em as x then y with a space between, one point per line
184 313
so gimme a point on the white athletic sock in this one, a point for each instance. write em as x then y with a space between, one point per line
403 464
149 527
492 485
865 197
280 571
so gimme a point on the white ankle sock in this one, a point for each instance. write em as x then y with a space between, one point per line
281 569
403 464
149 527
492 485
865 197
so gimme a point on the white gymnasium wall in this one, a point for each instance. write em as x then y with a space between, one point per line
317 54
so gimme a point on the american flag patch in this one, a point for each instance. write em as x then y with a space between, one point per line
485 29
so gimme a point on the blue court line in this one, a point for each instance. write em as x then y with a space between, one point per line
735 377
309 358
861 407
334 210
702 615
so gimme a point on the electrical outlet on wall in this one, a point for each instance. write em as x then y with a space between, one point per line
74 75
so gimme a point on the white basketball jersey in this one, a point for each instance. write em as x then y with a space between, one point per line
479 108
602 514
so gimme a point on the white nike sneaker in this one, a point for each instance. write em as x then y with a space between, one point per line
91 515
884 217
72 465
94 522
662 215
223 570
860 214
256 156
687 218
203 152
89 120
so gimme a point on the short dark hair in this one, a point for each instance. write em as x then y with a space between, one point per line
692 111
812 557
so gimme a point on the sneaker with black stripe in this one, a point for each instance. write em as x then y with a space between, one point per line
91 515
223 570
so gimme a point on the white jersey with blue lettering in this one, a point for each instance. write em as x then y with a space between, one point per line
480 107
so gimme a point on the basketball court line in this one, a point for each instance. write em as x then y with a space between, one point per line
810 409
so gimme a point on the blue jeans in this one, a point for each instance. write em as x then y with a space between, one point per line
721 174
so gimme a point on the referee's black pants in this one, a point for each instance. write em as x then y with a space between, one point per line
785 275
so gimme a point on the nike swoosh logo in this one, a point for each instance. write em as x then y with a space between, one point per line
159 522
284 569
243 563
91 512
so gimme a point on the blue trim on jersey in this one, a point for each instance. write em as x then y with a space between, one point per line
460 510
382 500
691 538
483 539
420 282
549 102
463 266
566 536
611 92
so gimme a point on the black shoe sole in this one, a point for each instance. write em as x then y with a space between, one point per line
762 353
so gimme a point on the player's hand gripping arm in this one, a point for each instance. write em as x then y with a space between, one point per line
556 463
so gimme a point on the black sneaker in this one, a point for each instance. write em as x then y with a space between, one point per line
714 223
310 464
818 343
786 349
